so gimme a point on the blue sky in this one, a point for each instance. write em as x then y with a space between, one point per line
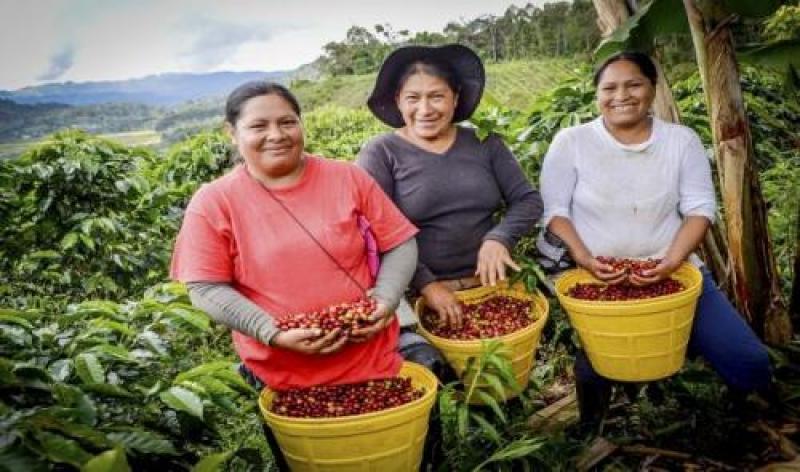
59 40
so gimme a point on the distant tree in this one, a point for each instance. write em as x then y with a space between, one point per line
555 29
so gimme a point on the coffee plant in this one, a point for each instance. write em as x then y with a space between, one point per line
487 436
73 223
338 132
101 376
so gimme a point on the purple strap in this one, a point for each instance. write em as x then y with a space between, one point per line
373 258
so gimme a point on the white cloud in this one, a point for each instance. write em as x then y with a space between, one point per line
60 63
116 39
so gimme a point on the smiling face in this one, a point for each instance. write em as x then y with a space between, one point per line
624 94
427 104
269 136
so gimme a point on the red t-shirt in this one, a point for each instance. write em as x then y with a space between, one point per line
235 232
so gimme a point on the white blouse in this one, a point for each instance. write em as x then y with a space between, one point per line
627 200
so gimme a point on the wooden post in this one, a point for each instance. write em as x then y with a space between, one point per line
754 274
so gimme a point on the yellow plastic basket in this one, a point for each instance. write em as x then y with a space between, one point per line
637 340
387 440
522 344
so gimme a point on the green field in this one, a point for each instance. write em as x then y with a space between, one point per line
130 138
516 84
512 84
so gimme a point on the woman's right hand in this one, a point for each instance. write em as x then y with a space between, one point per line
310 341
442 300
602 271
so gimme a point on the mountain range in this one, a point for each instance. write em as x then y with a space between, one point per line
160 90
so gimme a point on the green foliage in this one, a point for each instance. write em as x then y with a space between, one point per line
20 122
494 436
528 135
73 221
748 8
87 217
109 461
467 432
782 56
101 375
187 165
783 24
361 52
653 19
338 132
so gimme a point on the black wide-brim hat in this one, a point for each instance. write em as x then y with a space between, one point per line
466 65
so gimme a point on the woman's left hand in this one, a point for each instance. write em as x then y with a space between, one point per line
381 318
493 257
660 272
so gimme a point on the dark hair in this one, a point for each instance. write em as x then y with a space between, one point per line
642 61
433 67
252 89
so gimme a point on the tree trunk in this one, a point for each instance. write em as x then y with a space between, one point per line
755 281
794 306
610 15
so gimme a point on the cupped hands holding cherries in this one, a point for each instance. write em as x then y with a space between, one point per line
328 330
627 279
640 272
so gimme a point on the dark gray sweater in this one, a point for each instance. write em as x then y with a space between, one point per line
451 198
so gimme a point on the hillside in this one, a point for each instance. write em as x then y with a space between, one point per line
162 89
23 122
513 84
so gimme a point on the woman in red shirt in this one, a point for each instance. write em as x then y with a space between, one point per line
278 235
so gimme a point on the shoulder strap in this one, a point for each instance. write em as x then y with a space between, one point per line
306 230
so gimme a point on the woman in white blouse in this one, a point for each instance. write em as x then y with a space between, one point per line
630 185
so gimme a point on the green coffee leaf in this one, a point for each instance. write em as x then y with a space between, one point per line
486 428
61 369
189 316
184 400
112 352
89 368
57 448
491 402
109 461
143 442
213 462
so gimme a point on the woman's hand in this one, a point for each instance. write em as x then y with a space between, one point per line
663 270
442 300
602 271
310 341
493 257
381 318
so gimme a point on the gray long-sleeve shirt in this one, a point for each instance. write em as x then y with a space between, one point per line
226 305
451 197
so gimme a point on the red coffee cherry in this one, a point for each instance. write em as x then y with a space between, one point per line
347 316
624 291
630 266
328 401
491 318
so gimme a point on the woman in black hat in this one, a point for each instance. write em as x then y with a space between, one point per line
448 182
